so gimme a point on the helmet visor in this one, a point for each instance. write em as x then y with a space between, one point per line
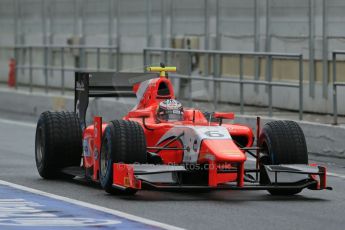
171 115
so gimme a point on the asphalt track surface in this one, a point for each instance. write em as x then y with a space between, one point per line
210 210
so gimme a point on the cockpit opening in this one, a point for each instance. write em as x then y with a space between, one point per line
163 90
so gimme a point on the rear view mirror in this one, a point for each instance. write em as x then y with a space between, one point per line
229 116
139 114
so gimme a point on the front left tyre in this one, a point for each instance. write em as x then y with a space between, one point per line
123 142
58 143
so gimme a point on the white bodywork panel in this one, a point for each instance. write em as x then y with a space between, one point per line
141 91
193 136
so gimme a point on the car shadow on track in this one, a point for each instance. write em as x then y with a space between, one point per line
203 195
223 196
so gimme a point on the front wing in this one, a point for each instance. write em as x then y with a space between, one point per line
165 177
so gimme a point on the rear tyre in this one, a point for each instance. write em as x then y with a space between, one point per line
123 141
283 142
58 143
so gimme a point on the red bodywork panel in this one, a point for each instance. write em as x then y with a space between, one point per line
147 107
123 175
93 137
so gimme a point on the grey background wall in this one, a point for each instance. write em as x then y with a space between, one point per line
311 27
284 24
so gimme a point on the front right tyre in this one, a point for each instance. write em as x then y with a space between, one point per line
282 142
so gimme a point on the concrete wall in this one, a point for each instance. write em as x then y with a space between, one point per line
124 23
98 22
321 139
283 98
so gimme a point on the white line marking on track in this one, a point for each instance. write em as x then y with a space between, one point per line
22 123
92 206
336 175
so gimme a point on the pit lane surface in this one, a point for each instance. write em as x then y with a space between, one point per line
210 210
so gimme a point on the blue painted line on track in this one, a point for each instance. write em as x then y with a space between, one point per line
24 210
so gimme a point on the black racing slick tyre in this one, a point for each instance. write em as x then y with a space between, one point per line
123 141
58 143
283 142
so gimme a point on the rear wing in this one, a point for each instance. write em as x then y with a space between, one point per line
103 84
